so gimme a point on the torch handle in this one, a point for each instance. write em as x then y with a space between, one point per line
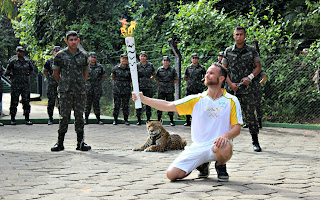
133 68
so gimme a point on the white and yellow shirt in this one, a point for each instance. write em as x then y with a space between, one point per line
210 118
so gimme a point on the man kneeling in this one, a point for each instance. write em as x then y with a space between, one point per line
216 120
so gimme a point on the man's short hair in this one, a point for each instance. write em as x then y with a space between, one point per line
223 70
71 33
238 28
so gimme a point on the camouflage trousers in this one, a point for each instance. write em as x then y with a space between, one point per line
167 97
93 100
25 95
148 93
258 104
76 102
52 98
121 100
248 106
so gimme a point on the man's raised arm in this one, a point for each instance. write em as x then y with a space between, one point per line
155 103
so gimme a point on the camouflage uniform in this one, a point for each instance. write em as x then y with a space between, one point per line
240 64
19 72
145 85
165 78
52 85
72 90
194 74
121 90
94 89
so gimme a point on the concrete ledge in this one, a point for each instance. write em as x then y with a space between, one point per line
296 126
165 122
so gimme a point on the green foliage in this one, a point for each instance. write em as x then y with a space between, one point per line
10 7
306 23
8 41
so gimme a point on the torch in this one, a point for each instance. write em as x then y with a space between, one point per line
131 50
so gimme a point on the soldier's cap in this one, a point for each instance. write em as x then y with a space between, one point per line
165 58
93 54
19 48
194 55
123 56
56 48
220 53
71 33
143 53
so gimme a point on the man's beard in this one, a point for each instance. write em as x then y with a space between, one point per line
207 83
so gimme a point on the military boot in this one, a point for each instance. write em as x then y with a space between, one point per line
171 120
148 118
50 120
115 121
255 143
82 146
139 120
13 120
126 122
99 120
28 122
59 145
188 121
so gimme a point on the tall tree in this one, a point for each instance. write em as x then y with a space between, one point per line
8 40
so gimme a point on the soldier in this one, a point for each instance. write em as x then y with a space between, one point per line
194 75
70 69
52 85
166 77
1 85
121 77
220 57
146 73
243 63
19 70
94 88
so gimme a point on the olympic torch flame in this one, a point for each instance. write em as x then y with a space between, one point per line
131 27
124 27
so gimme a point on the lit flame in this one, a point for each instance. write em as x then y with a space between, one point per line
123 29
131 27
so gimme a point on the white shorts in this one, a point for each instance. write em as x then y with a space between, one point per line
192 157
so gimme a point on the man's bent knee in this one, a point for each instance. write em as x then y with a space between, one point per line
223 154
175 173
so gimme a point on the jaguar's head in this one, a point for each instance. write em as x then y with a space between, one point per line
154 127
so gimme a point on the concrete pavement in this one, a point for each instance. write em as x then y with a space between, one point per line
287 168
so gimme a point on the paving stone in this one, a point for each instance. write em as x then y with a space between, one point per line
113 171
